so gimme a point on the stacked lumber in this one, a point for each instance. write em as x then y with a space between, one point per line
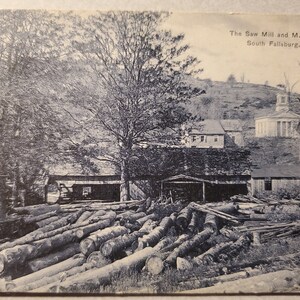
74 247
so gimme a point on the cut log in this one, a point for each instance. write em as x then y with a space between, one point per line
97 277
220 211
70 219
47 221
154 236
143 220
132 227
135 216
85 215
35 210
280 281
182 238
241 244
165 242
53 258
211 254
21 253
211 221
183 264
193 225
125 214
45 284
232 235
34 219
148 226
116 245
155 263
98 216
184 218
188 245
86 230
98 259
46 272
94 241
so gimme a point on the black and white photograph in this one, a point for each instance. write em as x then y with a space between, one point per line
149 152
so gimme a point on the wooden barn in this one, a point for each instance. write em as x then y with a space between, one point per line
204 188
207 174
274 178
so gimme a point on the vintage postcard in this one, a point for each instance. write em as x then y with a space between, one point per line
149 152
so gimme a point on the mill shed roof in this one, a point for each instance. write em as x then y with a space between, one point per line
277 171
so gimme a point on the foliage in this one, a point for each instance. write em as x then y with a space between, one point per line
139 72
231 79
31 46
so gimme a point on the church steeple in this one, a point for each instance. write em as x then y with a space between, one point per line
282 103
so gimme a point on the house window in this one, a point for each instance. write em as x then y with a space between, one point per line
283 99
268 184
233 138
202 138
193 138
216 139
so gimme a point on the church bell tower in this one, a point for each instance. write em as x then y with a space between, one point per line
282 103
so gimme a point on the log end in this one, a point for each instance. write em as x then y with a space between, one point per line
155 265
106 249
98 260
183 264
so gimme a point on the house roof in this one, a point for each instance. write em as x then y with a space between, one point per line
277 171
281 114
207 127
76 169
231 125
182 177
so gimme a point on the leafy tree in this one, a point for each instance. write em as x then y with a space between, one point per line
30 51
231 79
138 78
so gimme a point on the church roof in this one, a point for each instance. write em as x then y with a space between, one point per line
281 114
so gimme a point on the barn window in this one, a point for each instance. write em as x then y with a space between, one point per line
268 184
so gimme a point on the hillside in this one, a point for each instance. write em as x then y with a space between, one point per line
236 100
245 101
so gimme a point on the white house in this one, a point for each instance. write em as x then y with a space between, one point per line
281 123
203 134
212 134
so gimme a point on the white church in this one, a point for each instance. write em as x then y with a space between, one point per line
281 123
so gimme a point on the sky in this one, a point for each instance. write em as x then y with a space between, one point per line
223 52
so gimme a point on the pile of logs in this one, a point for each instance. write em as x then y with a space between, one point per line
73 247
